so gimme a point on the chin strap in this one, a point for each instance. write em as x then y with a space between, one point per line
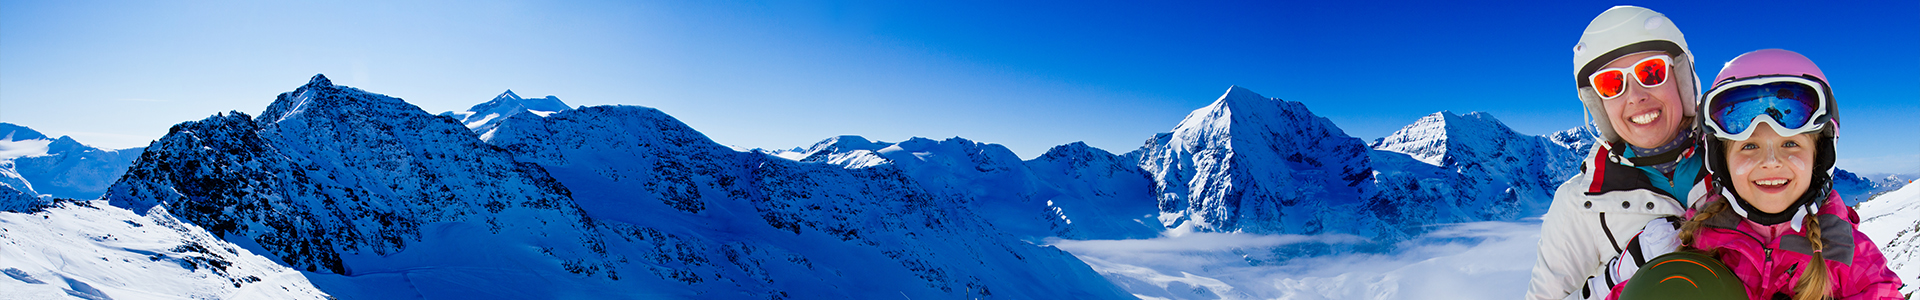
1807 206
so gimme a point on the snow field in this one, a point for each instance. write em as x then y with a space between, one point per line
90 250
1892 220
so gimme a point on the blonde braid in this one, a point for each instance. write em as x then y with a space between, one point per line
1692 226
1814 283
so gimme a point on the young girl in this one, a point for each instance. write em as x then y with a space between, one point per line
1774 218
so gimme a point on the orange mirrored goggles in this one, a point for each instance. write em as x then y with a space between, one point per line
1649 72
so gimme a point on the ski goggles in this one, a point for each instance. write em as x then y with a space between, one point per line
1790 104
1649 72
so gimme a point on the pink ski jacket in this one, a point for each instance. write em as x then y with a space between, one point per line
1772 267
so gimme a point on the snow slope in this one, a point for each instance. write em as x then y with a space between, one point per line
88 250
1892 220
1096 194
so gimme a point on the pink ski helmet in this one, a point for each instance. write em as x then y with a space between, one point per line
1778 87
1768 62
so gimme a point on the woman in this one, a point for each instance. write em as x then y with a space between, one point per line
1635 77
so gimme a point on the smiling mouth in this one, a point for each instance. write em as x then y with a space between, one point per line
1771 182
1643 119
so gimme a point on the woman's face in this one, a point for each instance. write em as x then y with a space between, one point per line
1643 116
1770 170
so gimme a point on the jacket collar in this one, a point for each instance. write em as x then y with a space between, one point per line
1611 171
1836 229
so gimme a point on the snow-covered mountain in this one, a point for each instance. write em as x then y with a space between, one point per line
373 198
1892 220
784 227
1262 165
1073 191
849 151
486 117
61 167
1855 188
54 247
1448 168
1245 163
1096 194
1253 164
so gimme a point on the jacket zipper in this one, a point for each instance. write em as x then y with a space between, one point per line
1763 246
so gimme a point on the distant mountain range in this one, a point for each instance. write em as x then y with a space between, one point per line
365 196
35 164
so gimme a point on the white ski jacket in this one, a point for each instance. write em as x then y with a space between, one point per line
1592 218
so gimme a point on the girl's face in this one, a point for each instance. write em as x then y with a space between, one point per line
1643 116
1769 170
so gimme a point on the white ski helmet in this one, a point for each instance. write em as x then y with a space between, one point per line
1624 30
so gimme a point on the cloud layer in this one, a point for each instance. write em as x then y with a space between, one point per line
1461 261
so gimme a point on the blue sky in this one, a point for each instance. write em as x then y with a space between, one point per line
1026 75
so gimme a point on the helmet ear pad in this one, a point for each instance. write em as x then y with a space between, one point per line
1824 157
1717 162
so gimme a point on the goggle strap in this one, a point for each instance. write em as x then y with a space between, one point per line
1814 121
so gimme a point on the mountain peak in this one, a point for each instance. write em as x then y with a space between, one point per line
1239 96
508 103
12 132
322 99
1476 120
483 118
1436 136
1304 161
846 143
1072 150
1243 108
319 80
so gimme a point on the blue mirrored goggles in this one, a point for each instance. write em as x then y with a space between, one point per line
1791 104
